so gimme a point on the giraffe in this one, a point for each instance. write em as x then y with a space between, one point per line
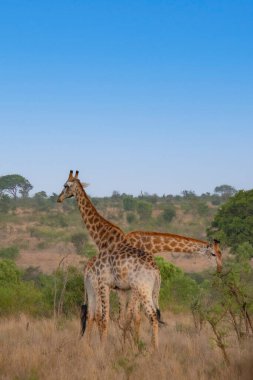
157 242
150 242
118 265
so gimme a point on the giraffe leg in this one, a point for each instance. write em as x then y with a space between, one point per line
150 311
129 314
137 319
90 289
105 302
122 296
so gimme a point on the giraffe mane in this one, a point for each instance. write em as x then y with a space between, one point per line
94 208
163 234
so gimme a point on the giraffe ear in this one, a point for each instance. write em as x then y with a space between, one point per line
70 174
77 172
84 184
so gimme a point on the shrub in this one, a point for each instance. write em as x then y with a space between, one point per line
11 252
168 213
68 290
131 217
129 203
79 239
202 209
177 289
19 296
144 209
5 203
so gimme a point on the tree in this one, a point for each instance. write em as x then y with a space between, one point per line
14 184
144 209
168 213
233 223
129 203
188 194
225 191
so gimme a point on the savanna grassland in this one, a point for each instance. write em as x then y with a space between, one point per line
34 349
208 317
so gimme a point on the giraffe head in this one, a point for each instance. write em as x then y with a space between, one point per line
70 186
213 249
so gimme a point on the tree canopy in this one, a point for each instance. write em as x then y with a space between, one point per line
233 224
225 190
14 184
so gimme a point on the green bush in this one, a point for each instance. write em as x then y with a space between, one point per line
168 213
11 252
79 239
129 203
202 208
233 223
19 296
68 292
177 289
5 203
144 210
131 217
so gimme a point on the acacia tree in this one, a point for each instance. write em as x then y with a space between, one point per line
225 191
13 184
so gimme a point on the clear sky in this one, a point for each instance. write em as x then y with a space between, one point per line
138 95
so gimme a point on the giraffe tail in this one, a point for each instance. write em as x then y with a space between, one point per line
83 316
158 315
156 298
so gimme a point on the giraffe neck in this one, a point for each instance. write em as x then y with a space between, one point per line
155 242
103 232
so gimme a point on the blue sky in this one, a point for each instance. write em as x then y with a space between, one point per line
138 95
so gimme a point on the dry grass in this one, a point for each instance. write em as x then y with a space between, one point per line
43 350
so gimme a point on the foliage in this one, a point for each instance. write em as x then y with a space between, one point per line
54 220
9 273
227 298
5 203
129 203
131 217
225 191
79 239
90 250
11 252
202 208
168 213
188 194
68 291
177 289
144 209
233 224
14 183
18 296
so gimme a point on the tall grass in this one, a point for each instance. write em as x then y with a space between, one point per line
42 349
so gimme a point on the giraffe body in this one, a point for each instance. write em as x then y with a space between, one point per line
125 260
119 265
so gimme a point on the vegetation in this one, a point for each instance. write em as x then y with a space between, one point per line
221 305
11 252
14 184
233 223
